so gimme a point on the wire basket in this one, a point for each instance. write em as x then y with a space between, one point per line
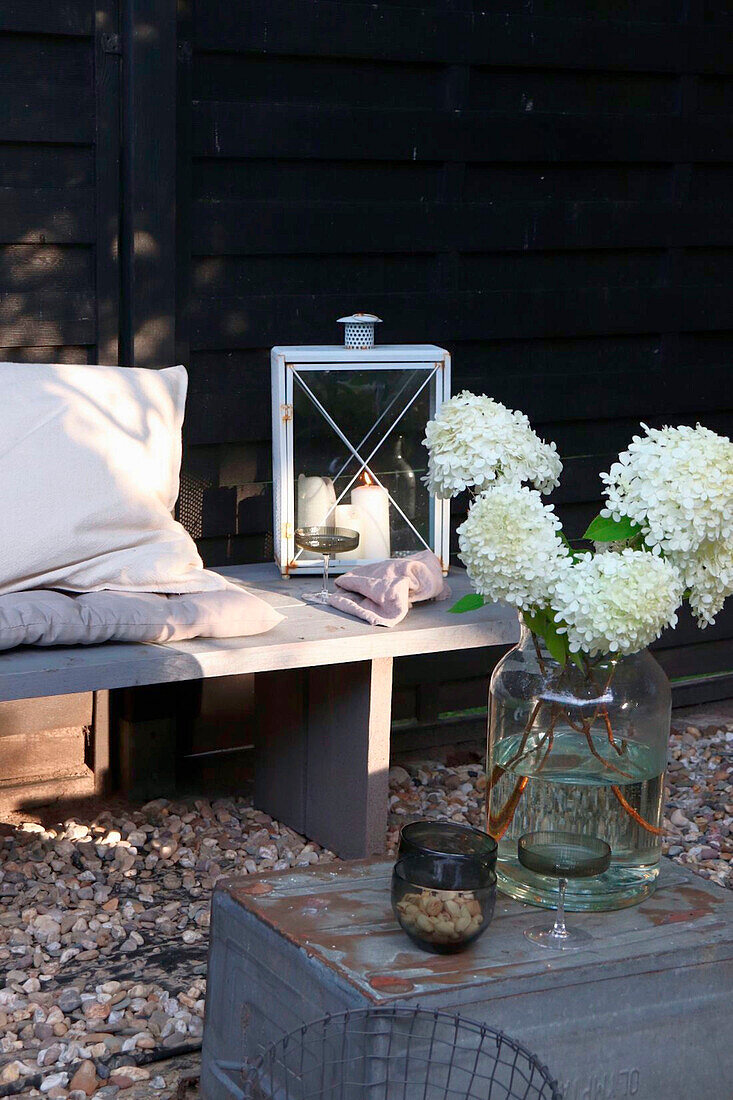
398 1054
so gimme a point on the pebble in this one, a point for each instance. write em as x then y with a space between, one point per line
69 1000
54 1080
122 1081
85 1079
10 1072
135 1073
50 1055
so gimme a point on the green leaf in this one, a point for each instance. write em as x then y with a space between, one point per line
542 623
557 644
536 621
604 529
467 603
577 660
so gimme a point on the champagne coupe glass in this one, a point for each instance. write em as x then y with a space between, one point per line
326 541
562 856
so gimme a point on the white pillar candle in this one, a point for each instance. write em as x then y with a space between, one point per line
316 496
373 502
351 517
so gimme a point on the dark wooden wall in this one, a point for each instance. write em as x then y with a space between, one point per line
59 163
543 187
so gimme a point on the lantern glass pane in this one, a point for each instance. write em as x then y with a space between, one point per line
358 457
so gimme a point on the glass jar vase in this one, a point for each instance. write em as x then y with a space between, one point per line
578 750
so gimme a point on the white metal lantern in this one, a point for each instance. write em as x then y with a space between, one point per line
347 429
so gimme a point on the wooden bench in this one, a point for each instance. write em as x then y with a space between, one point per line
323 707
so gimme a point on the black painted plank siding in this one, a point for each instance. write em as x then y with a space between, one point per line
48 17
545 190
242 227
448 35
59 206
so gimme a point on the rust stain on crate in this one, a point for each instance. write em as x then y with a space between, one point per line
663 909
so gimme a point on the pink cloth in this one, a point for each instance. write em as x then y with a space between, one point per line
383 593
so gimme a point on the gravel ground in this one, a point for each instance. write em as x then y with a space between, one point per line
104 917
103 935
699 804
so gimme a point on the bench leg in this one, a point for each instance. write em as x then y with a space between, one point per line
100 748
347 789
323 753
148 732
280 745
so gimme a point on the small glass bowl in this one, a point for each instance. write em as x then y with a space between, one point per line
443 907
459 843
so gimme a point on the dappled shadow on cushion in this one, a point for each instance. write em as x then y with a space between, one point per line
52 618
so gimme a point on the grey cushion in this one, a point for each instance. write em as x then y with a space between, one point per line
45 617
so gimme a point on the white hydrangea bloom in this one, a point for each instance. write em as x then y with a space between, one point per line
510 546
616 603
474 440
676 484
708 574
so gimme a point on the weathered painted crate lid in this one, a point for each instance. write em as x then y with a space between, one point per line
341 915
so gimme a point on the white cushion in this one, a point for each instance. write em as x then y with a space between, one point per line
89 467
52 618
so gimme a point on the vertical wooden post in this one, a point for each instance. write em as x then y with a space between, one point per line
281 745
184 173
184 164
148 250
101 760
322 759
347 786
147 731
148 727
107 84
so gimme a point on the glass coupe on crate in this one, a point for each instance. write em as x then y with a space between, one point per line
579 708
348 426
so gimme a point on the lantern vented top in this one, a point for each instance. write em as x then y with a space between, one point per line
359 330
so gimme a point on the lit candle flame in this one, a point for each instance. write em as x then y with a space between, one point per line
367 480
